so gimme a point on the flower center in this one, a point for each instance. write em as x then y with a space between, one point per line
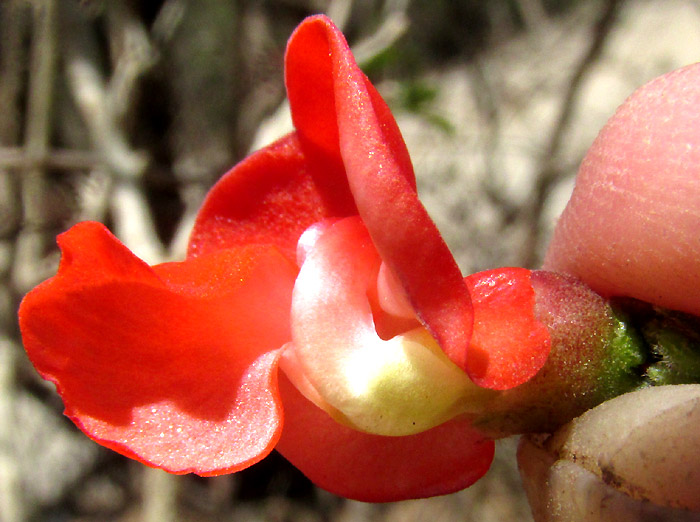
398 386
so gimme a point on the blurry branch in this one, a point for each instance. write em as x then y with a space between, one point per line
11 61
28 247
11 495
159 496
96 99
62 159
394 24
550 170
490 117
103 105
601 31
133 55
42 66
210 60
167 21
533 13
339 11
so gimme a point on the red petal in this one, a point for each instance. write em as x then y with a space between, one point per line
509 345
268 198
338 114
174 366
372 468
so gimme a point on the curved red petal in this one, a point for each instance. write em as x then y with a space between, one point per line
342 120
173 365
509 344
270 197
373 468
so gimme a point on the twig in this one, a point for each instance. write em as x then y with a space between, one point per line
339 11
159 496
12 508
167 21
207 118
393 27
550 170
62 159
32 239
90 94
533 14
12 60
133 56
133 221
489 109
394 24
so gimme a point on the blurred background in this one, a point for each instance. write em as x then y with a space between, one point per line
126 112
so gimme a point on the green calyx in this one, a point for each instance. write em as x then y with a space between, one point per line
625 355
671 342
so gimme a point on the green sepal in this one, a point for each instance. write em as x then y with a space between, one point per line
625 356
673 339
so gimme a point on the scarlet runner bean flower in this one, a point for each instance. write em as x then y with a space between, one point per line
319 312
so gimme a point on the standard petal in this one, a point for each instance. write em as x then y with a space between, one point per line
509 344
373 468
270 198
173 365
347 121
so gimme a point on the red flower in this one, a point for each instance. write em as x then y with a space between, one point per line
176 365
